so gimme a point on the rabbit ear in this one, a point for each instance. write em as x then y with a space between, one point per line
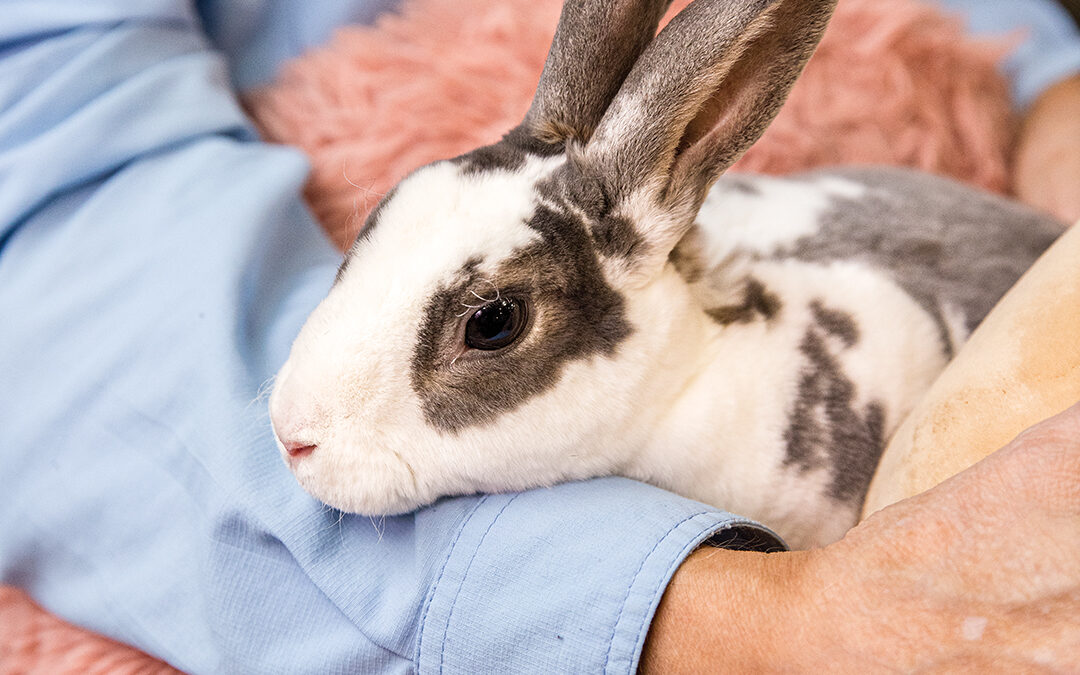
596 44
700 95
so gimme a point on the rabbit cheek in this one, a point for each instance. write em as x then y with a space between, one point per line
341 410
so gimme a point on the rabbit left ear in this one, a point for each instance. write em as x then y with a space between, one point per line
596 44
703 91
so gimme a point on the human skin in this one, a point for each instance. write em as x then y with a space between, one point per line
1046 173
977 573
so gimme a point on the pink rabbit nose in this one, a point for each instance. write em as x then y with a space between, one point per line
298 449
294 415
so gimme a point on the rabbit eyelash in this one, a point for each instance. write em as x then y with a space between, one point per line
468 307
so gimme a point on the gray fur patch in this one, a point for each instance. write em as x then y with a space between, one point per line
836 323
574 314
499 156
758 303
686 256
741 184
947 244
612 236
509 154
825 426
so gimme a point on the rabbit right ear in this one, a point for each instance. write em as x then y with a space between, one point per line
703 91
596 44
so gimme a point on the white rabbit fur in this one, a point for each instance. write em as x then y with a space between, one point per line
751 344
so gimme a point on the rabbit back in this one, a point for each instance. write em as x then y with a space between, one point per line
953 248
838 296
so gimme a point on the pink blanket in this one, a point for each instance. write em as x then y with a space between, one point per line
892 83
34 642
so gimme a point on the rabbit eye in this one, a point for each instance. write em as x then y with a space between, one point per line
496 324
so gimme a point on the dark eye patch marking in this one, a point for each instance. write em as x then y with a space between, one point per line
758 302
575 315
825 427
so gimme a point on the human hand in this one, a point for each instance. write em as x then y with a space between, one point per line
1046 172
981 571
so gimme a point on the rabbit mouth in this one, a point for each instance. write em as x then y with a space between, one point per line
365 481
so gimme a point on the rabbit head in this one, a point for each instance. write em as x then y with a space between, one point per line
511 318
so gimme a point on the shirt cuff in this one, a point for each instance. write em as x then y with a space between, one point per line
565 579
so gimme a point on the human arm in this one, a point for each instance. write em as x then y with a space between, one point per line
1047 159
979 572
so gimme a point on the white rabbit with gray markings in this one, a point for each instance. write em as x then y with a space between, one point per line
586 298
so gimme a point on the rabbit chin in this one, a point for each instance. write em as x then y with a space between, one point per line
363 483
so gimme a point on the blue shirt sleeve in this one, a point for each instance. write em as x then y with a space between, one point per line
156 261
257 35
1049 49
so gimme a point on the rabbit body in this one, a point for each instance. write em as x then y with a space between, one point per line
835 298
590 297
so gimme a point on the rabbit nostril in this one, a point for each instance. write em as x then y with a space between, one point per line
298 449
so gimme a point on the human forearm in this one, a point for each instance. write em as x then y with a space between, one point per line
1047 162
1043 67
726 611
977 572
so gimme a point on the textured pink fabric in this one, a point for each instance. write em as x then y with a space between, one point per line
893 83
34 642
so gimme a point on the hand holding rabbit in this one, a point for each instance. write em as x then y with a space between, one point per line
934 583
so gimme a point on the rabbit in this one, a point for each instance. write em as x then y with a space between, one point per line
588 296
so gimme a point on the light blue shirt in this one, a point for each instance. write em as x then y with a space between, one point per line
1049 41
156 261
